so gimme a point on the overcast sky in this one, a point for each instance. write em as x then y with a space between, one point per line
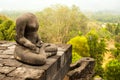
88 5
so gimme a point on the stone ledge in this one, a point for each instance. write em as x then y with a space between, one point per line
82 70
55 68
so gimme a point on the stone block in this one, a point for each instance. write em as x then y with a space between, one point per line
4 56
1 76
82 70
10 62
27 73
55 68
6 69
11 78
8 51
62 71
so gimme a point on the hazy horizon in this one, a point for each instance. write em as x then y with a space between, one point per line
84 5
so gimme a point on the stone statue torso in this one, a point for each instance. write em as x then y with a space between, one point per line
30 48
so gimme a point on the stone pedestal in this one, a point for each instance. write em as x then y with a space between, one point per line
82 70
55 68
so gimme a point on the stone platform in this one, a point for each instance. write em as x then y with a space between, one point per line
55 68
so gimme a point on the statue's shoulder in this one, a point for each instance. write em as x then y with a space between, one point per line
26 16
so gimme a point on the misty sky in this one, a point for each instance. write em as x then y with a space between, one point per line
84 5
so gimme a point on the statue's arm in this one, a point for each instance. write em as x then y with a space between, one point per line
20 30
39 41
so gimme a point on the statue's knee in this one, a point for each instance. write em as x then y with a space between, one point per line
43 61
51 48
40 60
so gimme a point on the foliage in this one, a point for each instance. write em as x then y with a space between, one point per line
116 51
75 57
80 46
96 45
92 39
97 76
2 18
104 33
117 30
7 30
101 46
111 27
112 71
117 38
98 66
59 24
97 48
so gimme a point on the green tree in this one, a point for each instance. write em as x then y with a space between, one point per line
75 57
111 28
117 30
116 51
7 30
60 23
104 33
112 71
97 48
80 47
2 18
92 38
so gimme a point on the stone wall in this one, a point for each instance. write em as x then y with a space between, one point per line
82 70
55 68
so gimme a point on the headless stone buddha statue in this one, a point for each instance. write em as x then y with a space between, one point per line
30 49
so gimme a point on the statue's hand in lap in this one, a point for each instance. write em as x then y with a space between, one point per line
30 49
31 46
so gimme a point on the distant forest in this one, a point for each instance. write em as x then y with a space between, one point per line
101 16
104 16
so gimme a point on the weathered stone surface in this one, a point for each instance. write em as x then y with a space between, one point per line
6 69
3 47
82 70
1 76
8 44
1 51
8 51
1 65
4 56
11 78
55 68
63 71
10 62
27 73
